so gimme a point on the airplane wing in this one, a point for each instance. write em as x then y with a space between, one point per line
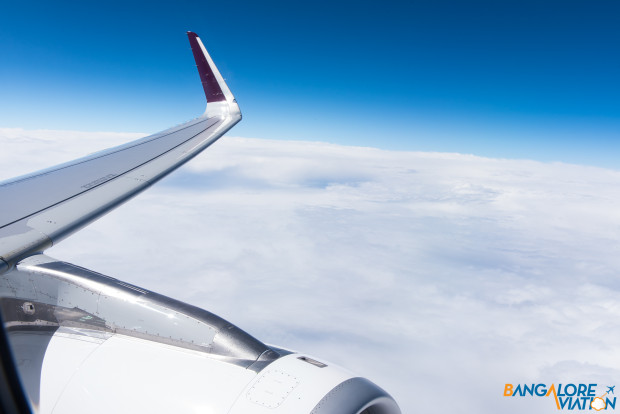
86 342
42 208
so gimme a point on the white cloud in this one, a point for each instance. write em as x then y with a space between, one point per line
439 276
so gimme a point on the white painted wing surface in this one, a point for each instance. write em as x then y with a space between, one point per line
40 209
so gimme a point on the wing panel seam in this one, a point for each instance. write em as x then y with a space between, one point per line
108 181
72 164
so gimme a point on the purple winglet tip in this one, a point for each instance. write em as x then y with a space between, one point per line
213 92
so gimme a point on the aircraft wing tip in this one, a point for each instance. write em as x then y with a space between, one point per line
213 83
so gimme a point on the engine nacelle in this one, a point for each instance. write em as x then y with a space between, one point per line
85 342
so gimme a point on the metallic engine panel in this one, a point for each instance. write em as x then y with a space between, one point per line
46 292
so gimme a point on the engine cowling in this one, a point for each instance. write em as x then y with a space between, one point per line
85 342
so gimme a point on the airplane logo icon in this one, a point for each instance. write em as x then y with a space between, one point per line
610 390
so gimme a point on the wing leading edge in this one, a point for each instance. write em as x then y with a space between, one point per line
42 208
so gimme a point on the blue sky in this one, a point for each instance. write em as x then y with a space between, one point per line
513 79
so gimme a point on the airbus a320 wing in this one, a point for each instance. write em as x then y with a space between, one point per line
83 342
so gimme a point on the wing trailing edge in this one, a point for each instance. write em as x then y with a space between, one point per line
43 208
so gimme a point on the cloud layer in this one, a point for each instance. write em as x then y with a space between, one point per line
439 276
